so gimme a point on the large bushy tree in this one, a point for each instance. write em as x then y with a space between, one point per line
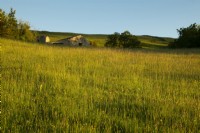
125 40
113 40
188 37
24 32
3 23
11 28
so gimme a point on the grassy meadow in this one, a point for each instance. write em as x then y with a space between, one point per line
76 89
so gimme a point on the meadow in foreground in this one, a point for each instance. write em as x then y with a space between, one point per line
66 89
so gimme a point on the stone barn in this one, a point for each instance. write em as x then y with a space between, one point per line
43 39
74 41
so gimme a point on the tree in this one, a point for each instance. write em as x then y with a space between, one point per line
11 28
113 40
125 40
3 23
8 24
12 25
24 32
188 37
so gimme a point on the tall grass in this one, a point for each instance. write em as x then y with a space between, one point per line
67 89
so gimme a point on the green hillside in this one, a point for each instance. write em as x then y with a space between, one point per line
76 89
147 41
154 42
54 36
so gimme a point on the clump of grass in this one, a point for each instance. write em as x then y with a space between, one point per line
66 89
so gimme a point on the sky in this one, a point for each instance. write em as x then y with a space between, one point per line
140 17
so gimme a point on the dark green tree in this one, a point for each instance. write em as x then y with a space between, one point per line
113 40
24 32
125 40
11 28
8 24
3 23
188 37
12 25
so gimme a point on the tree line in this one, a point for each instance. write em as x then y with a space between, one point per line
189 37
12 28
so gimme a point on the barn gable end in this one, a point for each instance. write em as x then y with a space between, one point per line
43 39
74 41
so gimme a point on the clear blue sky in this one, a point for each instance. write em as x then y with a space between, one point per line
140 17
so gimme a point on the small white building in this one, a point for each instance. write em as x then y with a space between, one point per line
43 39
74 41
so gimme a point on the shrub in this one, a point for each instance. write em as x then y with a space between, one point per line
188 37
125 40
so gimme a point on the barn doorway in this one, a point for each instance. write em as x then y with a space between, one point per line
80 44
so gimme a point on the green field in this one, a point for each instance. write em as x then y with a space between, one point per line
76 89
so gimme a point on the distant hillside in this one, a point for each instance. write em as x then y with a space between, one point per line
146 40
154 41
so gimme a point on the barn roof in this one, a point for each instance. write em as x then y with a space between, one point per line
73 40
69 38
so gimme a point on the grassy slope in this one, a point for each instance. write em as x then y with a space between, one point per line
149 42
53 89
